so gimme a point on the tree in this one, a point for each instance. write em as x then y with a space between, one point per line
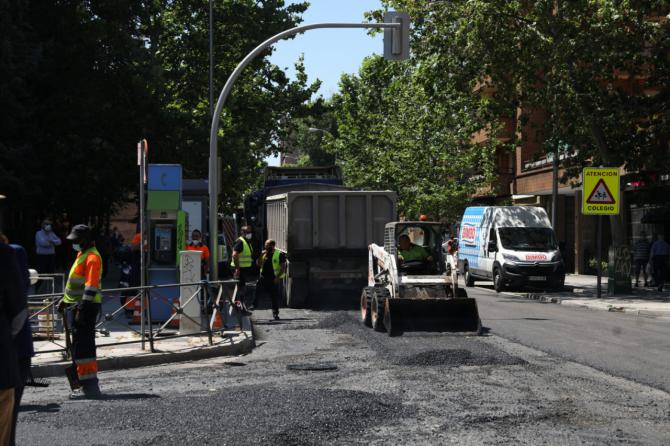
81 82
599 70
310 138
398 132
261 98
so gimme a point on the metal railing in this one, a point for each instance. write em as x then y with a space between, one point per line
140 301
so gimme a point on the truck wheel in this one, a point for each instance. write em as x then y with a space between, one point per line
366 301
296 292
469 280
498 284
377 314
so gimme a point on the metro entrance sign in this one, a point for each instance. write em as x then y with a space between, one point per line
600 191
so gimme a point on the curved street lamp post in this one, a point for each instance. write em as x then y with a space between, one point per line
396 37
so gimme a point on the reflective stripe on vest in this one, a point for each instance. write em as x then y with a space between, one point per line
75 289
244 256
276 263
86 368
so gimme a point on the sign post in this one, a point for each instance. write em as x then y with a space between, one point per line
600 196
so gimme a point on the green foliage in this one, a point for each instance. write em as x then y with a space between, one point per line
311 138
562 57
398 131
82 82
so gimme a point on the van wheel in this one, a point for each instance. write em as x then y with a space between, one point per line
498 281
469 280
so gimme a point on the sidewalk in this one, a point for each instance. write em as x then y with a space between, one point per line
129 353
581 290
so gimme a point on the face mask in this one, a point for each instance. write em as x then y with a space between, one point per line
47 228
248 236
196 242
76 246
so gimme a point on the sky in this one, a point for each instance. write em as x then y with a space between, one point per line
329 52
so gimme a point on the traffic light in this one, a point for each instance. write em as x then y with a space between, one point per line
396 40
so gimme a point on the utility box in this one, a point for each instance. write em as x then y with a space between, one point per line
189 299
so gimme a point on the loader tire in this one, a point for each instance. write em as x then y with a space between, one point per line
366 302
377 314
391 329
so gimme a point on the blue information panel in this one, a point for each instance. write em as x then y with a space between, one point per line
165 177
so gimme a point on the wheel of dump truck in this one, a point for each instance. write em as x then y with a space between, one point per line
296 292
498 284
469 280
379 296
366 301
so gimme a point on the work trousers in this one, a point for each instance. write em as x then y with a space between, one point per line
246 275
83 342
640 265
660 264
267 286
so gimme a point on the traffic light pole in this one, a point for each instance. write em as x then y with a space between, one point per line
214 130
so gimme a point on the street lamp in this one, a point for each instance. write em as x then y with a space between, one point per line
396 47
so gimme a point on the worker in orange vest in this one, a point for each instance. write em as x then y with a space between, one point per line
196 245
83 300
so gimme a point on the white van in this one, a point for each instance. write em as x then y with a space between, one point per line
511 246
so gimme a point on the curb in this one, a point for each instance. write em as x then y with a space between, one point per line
148 359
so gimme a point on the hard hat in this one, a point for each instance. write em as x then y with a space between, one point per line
80 233
423 217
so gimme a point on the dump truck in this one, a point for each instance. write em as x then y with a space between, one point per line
279 180
415 286
325 235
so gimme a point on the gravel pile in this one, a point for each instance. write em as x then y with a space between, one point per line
459 357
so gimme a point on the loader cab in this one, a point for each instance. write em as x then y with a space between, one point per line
419 236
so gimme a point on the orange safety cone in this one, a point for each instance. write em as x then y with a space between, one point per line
218 322
136 312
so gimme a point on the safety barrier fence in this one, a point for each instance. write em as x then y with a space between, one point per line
215 300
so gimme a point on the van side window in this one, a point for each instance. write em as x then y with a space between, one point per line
492 235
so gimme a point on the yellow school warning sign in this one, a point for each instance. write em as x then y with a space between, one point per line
600 191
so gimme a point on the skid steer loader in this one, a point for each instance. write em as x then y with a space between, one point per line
419 292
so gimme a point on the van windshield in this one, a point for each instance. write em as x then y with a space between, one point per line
527 239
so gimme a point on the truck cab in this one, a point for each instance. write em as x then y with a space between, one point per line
512 246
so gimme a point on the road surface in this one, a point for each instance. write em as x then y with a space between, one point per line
511 386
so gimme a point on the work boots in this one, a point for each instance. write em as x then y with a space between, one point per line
89 391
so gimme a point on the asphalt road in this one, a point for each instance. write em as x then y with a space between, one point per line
363 387
636 348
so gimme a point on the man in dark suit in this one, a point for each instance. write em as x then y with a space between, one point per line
13 313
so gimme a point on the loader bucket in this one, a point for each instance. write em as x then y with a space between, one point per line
449 315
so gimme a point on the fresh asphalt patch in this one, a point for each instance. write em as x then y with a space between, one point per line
422 348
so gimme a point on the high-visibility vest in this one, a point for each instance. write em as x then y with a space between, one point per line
245 256
276 263
85 277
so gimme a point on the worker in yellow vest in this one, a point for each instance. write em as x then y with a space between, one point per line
242 264
272 264
81 303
